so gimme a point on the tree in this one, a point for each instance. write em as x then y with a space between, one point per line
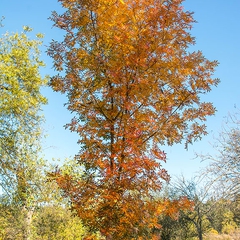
57 222
133 87
178 227
21 167
199 192
50 221
224 167
211 214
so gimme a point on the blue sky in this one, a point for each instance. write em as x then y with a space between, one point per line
217 36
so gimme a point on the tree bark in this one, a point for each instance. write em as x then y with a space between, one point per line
28 214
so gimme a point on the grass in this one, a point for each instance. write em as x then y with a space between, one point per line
235 235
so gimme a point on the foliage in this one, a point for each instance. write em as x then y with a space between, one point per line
236 209
55 222
11 224
49 222
20 102
21 167
208 217
133 86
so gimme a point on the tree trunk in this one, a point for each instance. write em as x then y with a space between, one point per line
200 237
199 229
28 214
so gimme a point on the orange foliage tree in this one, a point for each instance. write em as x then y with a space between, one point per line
133 86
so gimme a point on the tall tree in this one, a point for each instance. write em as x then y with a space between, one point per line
133 86
224 166
20 120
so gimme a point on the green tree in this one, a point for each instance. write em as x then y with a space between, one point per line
21 166
57 222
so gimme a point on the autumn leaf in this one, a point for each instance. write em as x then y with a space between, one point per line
134 87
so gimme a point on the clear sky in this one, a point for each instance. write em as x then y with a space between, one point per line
217 36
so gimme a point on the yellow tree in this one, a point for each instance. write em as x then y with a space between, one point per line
133 86
20 102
